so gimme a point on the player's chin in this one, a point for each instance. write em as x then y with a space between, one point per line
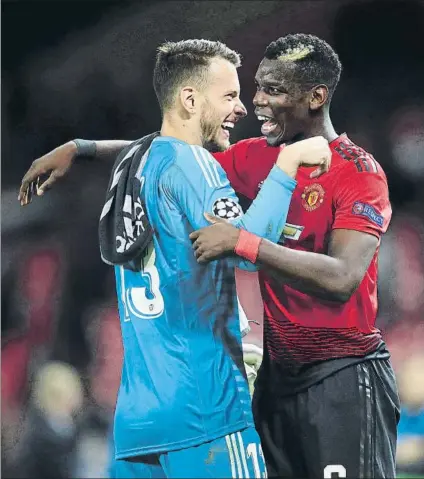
223 140
275 138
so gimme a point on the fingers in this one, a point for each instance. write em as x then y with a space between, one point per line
30 184
22 191
211 218
47 184
32 175
214 219
322 168
316 173
196 244
200 253
203 258
27 190
193 236
29 177
25 196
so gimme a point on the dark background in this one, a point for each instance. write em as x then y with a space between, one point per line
83 69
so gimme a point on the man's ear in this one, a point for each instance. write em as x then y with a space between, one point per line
189 99
318 98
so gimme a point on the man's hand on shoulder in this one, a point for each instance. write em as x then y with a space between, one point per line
57 162
215 241
311 152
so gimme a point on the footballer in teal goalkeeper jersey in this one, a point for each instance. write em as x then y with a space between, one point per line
183 381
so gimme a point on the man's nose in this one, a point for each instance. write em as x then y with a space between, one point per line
240 110
260 99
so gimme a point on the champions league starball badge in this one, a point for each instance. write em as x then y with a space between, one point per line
226 208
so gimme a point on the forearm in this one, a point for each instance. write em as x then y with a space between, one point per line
267 214
109 149
312 273
105 150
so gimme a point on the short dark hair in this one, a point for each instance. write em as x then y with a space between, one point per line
178 62
313 58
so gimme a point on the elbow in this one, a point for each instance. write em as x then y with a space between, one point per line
343 287
341 296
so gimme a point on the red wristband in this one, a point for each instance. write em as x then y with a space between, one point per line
248 246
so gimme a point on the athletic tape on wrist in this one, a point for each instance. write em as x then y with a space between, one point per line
248 246
86 148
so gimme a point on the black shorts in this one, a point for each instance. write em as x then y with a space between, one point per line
343 426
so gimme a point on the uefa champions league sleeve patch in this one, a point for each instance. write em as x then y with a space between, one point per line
227 209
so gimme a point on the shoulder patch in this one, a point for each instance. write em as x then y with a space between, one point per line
368 211
226 208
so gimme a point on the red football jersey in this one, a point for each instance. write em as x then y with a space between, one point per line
299 328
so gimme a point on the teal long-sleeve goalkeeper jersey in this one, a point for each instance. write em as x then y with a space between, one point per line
183 381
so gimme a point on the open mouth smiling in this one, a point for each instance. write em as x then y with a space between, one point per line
226 127
269 124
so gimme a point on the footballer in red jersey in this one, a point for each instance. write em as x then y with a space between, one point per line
352 196
326 400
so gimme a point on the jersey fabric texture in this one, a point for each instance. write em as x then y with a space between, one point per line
183 381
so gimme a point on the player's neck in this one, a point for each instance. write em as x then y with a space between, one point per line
180 129
322 126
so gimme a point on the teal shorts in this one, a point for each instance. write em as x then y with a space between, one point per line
238 455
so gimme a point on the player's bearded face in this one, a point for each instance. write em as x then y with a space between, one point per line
221 106
213 136
283 108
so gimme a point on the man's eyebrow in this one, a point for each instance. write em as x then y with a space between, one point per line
273 83
231 92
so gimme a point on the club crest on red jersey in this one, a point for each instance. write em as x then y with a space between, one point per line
312 196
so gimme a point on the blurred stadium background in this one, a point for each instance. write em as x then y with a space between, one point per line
83 69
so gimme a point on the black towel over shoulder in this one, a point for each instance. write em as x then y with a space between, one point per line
124 229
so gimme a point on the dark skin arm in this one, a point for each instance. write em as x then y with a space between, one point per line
56 164
333 276
336 276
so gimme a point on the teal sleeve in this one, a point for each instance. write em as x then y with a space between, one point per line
198 184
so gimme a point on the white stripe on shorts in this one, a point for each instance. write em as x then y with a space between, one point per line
243 455
237 456
230 453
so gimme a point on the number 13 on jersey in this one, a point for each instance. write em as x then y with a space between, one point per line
140 291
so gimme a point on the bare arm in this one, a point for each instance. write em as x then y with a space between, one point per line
57 163
362 215
108 150
334 276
